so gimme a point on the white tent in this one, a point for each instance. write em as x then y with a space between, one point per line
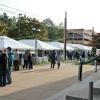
79 47
75 46
40 45
60 46
87 48
56 44
8 42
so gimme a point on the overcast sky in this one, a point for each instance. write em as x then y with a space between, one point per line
80 13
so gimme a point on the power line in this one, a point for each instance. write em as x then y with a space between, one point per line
12 8
8 11
28 13
20 11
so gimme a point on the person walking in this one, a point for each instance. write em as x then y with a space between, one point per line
53 59
58 59
10 63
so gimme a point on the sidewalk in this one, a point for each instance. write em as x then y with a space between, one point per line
80 89
41 82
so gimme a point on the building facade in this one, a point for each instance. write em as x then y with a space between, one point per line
79 36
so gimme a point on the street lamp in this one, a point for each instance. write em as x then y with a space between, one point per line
36 53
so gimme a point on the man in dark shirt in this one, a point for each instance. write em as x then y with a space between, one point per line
0 68
53 58
29 60
3 68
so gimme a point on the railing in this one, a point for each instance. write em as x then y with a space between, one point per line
86 62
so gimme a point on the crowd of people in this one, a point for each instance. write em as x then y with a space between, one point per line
54 58
28 62
76 54
6 61
10 60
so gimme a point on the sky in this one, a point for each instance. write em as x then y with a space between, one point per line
80 13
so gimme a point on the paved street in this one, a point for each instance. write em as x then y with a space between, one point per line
41 82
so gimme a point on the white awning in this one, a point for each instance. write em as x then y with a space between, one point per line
8 42
40 45
60 46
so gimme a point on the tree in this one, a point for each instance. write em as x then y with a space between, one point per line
97 41
60 34
26 25
48 22
3 23
22 28
55 33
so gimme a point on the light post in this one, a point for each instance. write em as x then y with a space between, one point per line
36 53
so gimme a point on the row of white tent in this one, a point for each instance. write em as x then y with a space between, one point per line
45 45
26 44
54 45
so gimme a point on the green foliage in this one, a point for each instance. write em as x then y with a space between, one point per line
55 33
21 27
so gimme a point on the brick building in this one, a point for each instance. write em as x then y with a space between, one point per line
80 36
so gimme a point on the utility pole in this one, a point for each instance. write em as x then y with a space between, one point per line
92 33
65 31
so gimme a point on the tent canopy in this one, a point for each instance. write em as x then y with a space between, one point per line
60 46
8 42
84 47
40 45
79 47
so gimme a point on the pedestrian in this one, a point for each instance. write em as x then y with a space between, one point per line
25 57
3 69
93 52
49 57
68 55
29 55
20 58
58 59
53 59
10 63
0 68
16 60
